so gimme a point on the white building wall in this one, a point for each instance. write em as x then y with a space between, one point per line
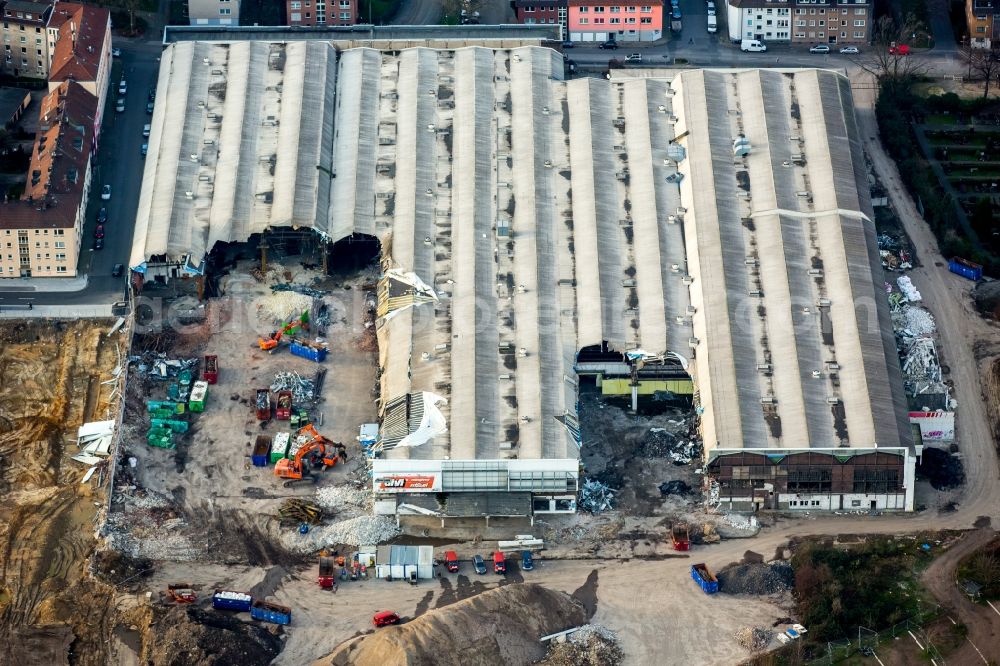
752 23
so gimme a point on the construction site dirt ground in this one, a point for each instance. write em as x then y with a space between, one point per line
225 506
52 379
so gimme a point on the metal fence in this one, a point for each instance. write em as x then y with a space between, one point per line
842 648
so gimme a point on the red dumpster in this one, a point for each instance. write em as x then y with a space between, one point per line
211 372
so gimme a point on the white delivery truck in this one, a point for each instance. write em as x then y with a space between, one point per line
752 45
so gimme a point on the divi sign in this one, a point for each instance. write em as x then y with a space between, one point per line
394 483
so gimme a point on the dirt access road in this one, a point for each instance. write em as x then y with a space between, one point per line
983 641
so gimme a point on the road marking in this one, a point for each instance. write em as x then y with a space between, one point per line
994 608
977 650
915 639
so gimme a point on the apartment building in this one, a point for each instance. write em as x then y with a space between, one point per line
550 12
321 12
807 22
981 21
81 50
25 48
597 21
40 233
214 12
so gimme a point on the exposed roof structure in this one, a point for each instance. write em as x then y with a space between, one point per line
549 216
81 43
59 161
378 36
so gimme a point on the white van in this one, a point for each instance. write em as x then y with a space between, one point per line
713 25
752 45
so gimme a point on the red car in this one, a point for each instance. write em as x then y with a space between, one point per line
385 618
900 50
451 561
99 231
499 564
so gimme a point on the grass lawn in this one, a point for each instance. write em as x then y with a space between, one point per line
941 119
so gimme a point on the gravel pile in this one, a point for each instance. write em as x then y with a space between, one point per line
753 638
360 531
756 578
335 498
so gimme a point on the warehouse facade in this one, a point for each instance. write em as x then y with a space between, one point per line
644 229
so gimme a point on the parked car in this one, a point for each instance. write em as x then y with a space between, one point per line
675 13
102 215
478 564
567 44
499 563
850 50
900 50
98 243
144 149
633 57
152 94
149 107
122 87
99 231
675 3
752 46
610 44
819 48
710 7
117 270
120 105
451 561
146 129
527 562
106 192
385 619
116 53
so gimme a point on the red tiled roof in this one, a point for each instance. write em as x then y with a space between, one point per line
59 159
82 30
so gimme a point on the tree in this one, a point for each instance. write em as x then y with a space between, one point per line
985 63
892 70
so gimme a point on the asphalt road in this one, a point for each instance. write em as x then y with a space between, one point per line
120 164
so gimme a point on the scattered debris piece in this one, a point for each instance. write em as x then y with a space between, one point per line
300 511
590 645
302 389
300 289
909 291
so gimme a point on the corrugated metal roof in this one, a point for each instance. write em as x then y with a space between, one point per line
547 216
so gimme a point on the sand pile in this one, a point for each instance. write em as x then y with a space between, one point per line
501 627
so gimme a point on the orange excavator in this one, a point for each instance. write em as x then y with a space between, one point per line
317 452
270 343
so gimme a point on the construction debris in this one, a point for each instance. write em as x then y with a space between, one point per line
909 291
596 497
302 389
590 645
672 443
334 498
362 530
754 639
281 306
675 487
300 511
299 289
756 578
158 366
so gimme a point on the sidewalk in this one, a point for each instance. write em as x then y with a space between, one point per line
33 285
56 312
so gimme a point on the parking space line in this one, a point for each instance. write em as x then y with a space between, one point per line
877 659
915 639
985 661
994 608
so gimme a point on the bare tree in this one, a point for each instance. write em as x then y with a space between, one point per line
985 63
889 64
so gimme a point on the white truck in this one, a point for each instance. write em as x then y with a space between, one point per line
752 45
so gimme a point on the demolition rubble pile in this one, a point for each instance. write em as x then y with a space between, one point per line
915 330
753 639
894 256
358 531
590 645
303 390
336 498
674 442
756 578
596 497
281 306
159 366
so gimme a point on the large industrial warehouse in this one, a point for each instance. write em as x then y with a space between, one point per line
705 224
